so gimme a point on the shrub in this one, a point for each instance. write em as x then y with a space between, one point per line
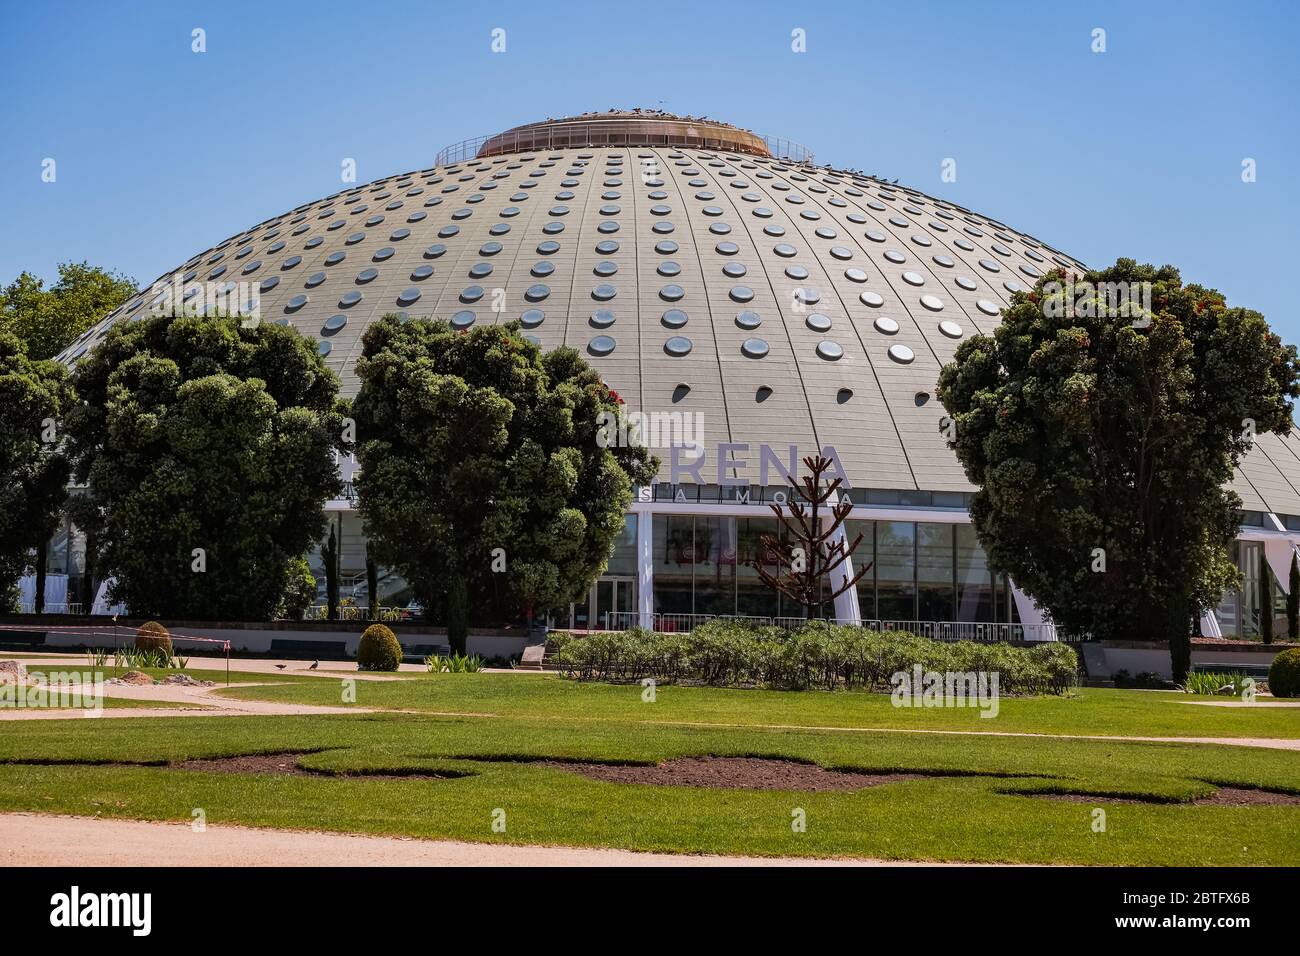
729 653
1284 674
379 649
152 636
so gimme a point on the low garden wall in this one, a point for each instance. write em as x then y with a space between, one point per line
1152 657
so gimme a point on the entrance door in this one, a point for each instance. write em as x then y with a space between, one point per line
613 599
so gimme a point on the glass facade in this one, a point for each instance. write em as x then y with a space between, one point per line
921 571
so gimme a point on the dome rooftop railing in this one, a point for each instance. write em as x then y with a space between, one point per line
618 132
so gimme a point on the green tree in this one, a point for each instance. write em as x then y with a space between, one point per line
49 320
484 479
207 449
1102 445
34 396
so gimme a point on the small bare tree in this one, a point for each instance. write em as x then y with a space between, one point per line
811 551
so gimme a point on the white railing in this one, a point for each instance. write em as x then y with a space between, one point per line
976 631
51 607
615 132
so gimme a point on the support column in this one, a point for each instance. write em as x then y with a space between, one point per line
847 609
645 569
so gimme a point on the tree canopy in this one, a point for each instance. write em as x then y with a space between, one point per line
47 321
482 479
1103 441
202 433
34 395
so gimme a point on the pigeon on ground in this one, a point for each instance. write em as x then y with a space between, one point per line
281 667
314 665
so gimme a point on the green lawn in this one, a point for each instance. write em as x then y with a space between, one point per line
1091 711
976 812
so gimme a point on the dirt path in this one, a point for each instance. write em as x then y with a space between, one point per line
47 840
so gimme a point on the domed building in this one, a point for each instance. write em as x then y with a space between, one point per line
754 307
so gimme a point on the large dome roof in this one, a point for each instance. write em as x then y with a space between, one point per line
783 303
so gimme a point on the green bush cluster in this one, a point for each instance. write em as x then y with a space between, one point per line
819 655
379 649
1284 674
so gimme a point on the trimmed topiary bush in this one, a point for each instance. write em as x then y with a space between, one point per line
152 636
379 649
1284 674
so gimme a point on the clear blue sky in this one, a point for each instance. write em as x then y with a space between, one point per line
1137 151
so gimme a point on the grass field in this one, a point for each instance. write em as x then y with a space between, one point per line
975 803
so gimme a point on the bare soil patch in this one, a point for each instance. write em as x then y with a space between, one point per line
734 773
287 763
1222 797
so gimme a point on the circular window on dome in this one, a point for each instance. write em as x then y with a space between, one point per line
269 283
773 230
950 329
988 307
480 270
808 296
434 251
601 345
720 229
841 252
604 292
252 266
1030 271
605 269
855 275
659 227
796 272
734 270
547 248
333 324
659 209
741 293
315 279
945 261
537 292
932 302
607 247
408 296
901 353
602 318
785 250
678 346
217 273
964 245
542 269
913 278
818 322
462 319
666 248
553 228
323 348
749 320
365 275
350 299
555 210
471 293
422 272
674 318
297 302
873 299
886 325
895 256
532 318
490 248
967 283
669 268
830 351
384 253
290 263
754 348
610 226
990 265
671 293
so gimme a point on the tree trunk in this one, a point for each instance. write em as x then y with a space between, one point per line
88 575
1293 601
42 558
372 586
457 613
331 555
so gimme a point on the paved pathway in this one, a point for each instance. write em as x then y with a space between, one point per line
48 840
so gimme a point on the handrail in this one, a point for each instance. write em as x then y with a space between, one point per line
595 133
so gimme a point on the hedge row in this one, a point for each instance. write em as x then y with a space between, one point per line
819 655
